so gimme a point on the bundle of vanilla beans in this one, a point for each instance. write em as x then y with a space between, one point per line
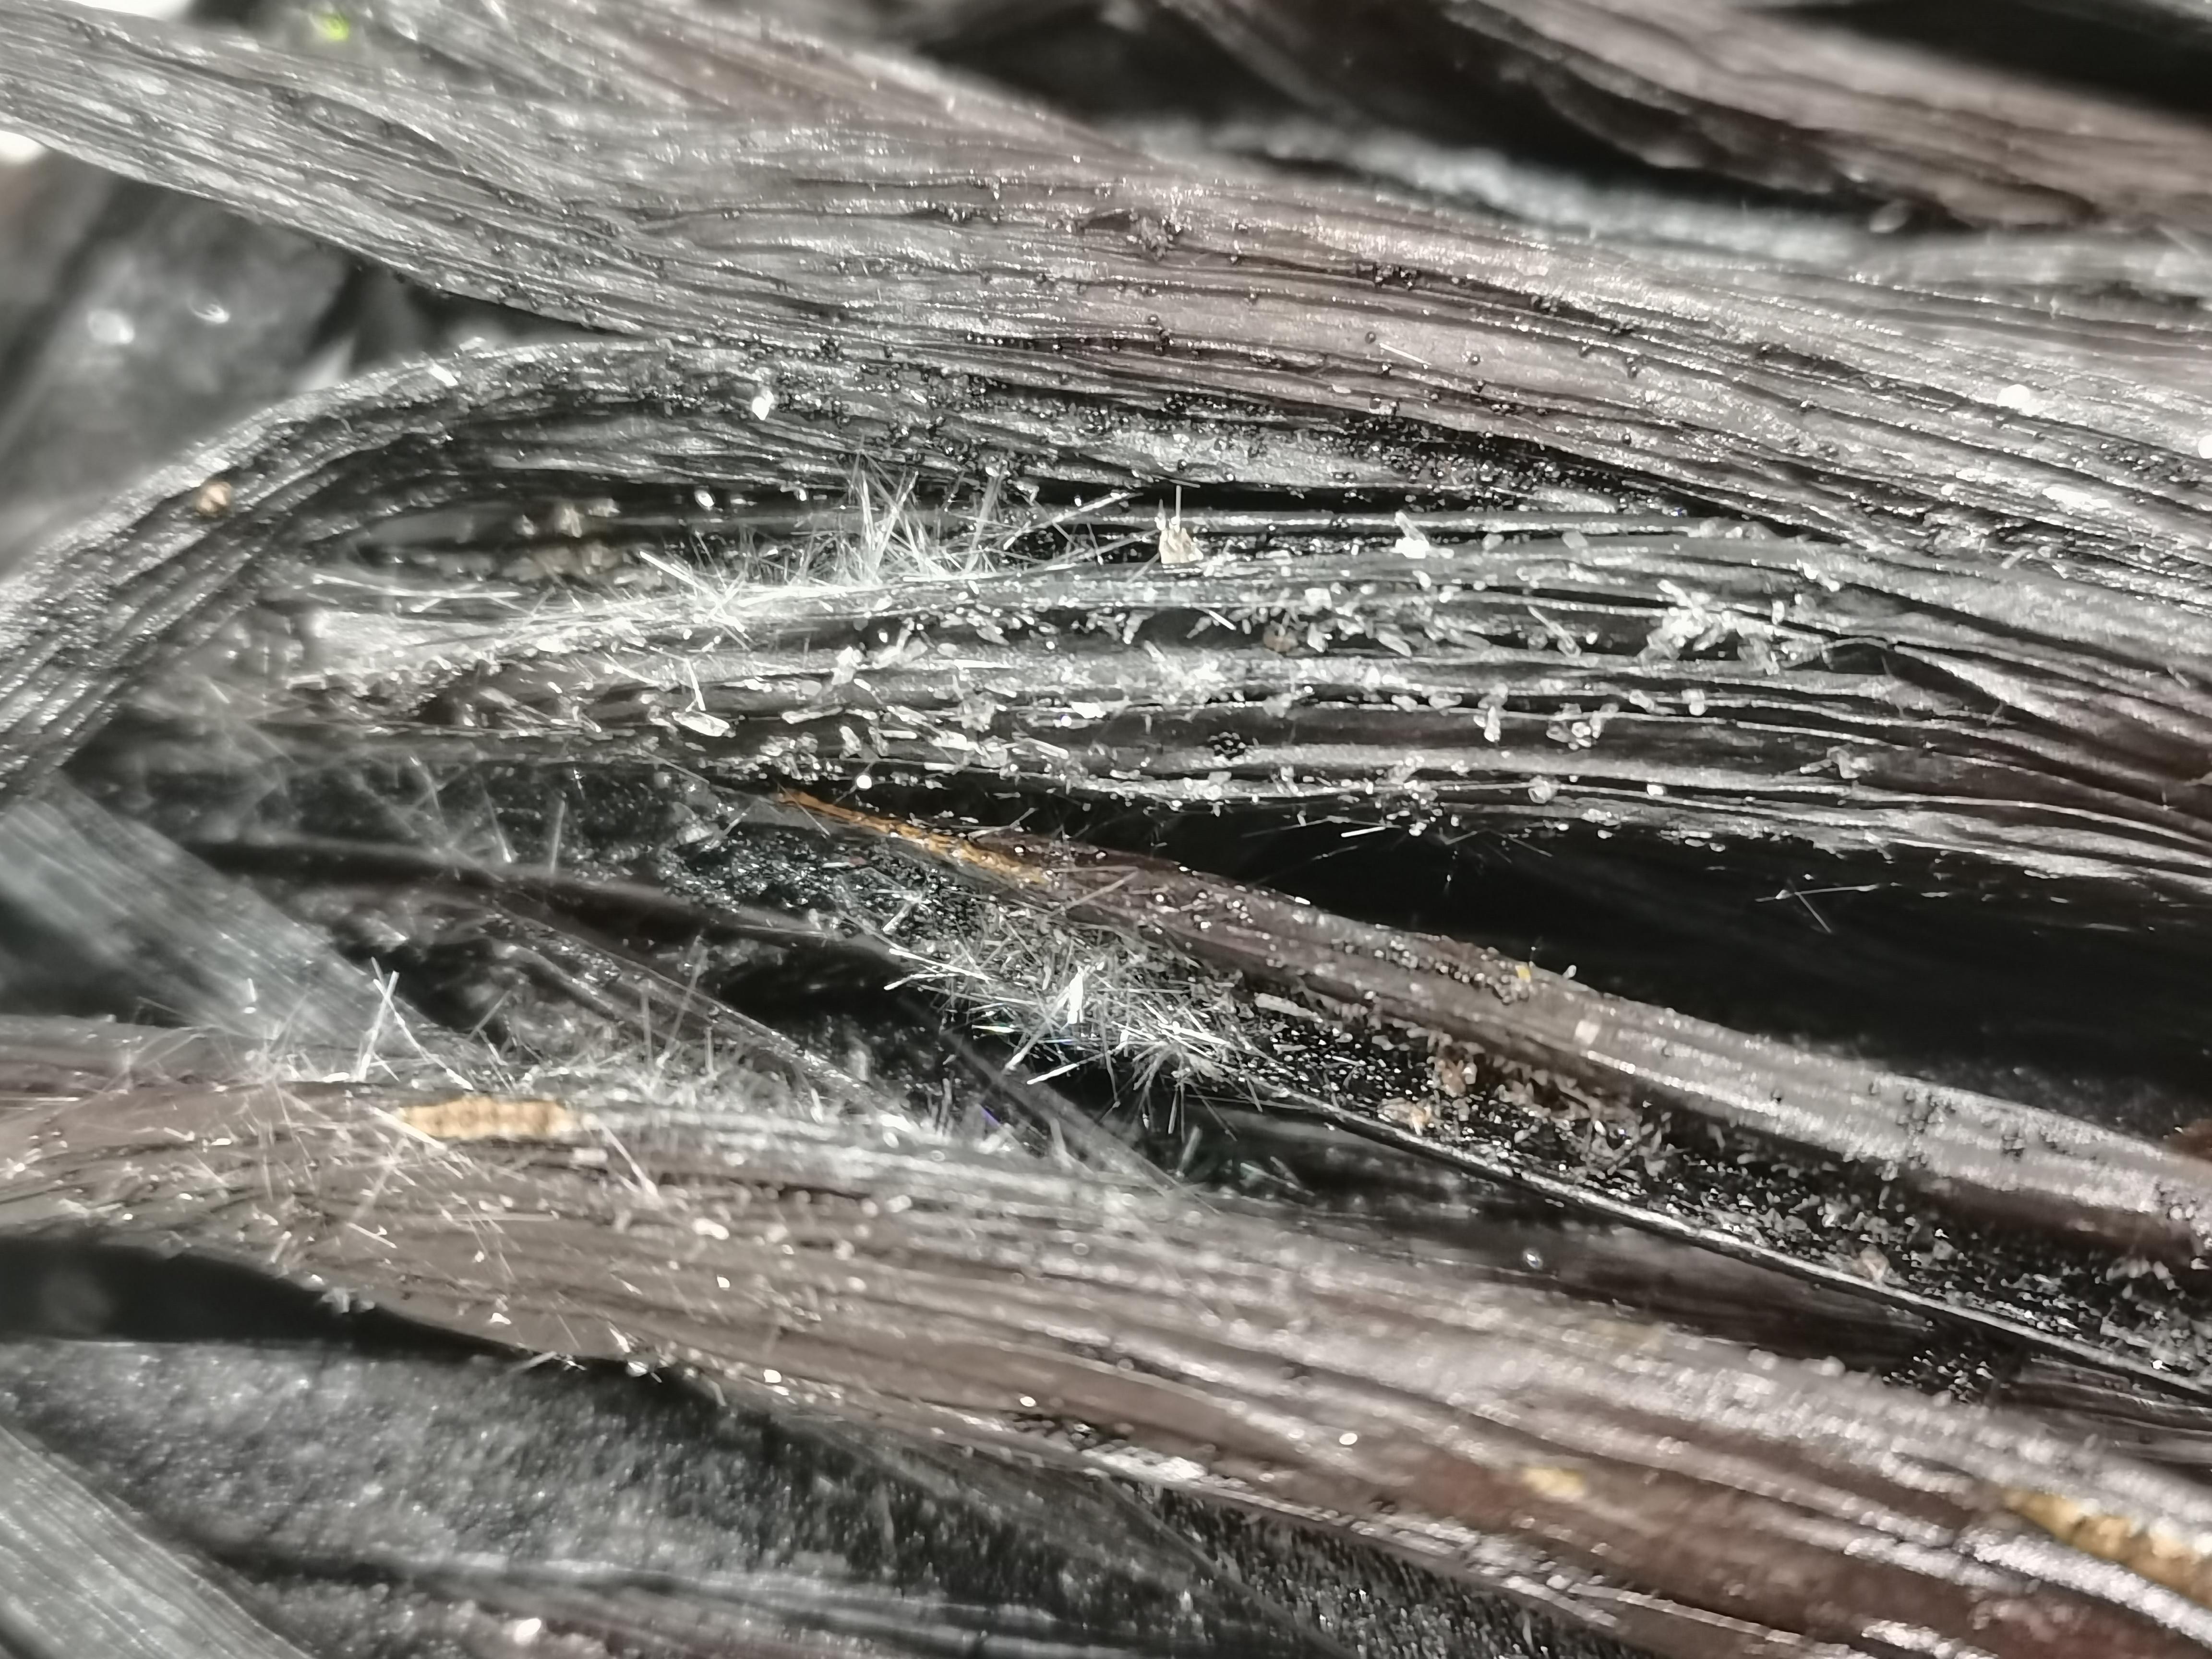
1182 826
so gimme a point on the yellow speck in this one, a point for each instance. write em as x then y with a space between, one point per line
334 26
2145 1551
488 1117
1548 1480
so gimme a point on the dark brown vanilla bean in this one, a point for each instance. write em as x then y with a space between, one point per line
889 1279
1046 259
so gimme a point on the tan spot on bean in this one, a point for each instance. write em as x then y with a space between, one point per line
2148 1552
1549 1481
492 1117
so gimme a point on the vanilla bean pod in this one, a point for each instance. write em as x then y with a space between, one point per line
1952 1204
2036 1229
1721 689
1231 289
2087 272
360 1490
85 620
80 1573
98 898
2040 731
1779 96
938 1313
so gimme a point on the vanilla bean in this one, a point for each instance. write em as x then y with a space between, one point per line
1037 257
938 1313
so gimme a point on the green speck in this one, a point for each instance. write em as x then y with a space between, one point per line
334 26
